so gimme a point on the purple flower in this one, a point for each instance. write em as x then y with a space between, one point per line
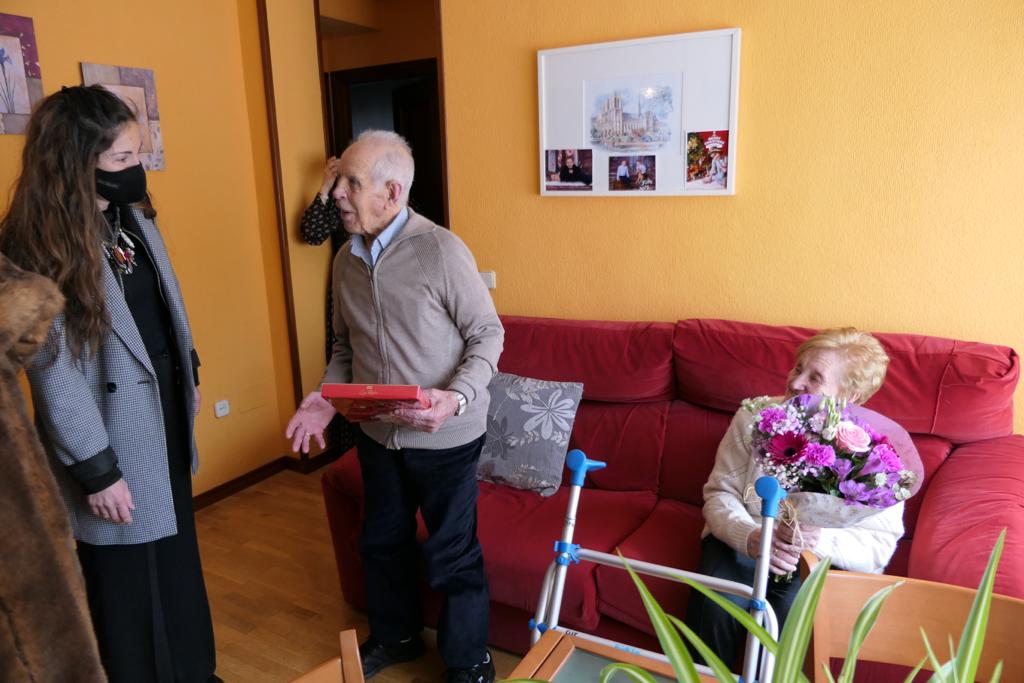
882 458
881 498
769 416
818 455
803 400
842 467
854 492
890 459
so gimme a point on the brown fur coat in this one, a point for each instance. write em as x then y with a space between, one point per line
45 630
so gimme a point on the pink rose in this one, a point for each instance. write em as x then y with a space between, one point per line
852 438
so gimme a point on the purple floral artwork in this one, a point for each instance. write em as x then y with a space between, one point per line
21 83
137 87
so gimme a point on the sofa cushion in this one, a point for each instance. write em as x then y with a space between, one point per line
670 536
528 426
974 495
518 529
933 452
691 442
619 362
962 391
629 437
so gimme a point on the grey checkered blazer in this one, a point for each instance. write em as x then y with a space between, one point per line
112 400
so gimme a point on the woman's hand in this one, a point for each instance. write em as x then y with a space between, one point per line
113 503
310 420
331 171
786 546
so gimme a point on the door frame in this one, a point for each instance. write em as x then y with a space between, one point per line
338 120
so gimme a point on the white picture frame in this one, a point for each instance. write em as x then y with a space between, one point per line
651 116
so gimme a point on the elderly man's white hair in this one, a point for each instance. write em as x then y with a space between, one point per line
394 162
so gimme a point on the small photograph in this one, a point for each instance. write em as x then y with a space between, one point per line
632 173
707 160
569 170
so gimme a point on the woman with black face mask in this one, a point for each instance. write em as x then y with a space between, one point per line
115 384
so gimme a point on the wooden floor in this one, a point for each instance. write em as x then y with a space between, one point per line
273 587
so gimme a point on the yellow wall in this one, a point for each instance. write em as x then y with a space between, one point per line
880 157
300 126
407 30
215 199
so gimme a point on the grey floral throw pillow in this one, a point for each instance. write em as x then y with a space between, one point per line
528 428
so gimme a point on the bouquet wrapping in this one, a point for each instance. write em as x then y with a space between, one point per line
841 463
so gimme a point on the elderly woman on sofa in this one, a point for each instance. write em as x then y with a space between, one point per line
844 363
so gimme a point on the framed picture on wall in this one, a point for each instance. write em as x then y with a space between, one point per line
658 116
137 87
21 84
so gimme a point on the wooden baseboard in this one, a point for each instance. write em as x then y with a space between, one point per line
304 465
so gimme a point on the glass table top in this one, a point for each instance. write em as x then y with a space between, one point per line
583 666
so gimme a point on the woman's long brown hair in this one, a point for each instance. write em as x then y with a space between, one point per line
53 226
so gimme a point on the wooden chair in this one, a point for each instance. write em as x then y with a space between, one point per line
347 668
941 609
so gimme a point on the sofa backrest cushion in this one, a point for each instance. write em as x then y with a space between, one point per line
629 437
961 391
618 362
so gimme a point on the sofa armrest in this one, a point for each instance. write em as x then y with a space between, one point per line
977 492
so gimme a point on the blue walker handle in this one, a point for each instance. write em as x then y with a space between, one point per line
771 495
577 461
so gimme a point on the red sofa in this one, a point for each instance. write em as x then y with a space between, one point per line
657 399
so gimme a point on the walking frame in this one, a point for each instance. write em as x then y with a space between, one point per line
567 552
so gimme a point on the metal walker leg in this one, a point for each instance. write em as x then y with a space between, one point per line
566 552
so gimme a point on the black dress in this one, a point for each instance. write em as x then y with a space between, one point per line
148 601
319 221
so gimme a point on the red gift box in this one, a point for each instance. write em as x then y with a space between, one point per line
365 402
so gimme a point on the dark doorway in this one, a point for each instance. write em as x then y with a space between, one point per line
402 97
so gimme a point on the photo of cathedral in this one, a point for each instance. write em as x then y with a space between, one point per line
632 116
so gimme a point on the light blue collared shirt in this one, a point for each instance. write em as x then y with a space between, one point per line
371 255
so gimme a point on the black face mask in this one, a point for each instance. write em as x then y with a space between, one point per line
122 187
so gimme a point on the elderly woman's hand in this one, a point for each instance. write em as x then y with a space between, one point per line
786 546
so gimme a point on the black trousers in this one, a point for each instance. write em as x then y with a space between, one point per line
714 625
441 484
148 600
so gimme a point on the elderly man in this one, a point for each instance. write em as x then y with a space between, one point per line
410 308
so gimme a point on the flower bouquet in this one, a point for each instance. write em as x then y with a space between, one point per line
840 462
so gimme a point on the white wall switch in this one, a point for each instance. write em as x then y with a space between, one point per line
490 278
222 408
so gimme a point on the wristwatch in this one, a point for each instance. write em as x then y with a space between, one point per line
460 397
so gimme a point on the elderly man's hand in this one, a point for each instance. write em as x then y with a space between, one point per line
310 420
443 405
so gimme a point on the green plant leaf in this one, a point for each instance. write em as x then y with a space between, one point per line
861 628
938 674
917 669
828 673
714 662
678 656
997 672
972 640
796 633
638 674
737 613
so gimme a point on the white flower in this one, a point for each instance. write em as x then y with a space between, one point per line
554 413
881 479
